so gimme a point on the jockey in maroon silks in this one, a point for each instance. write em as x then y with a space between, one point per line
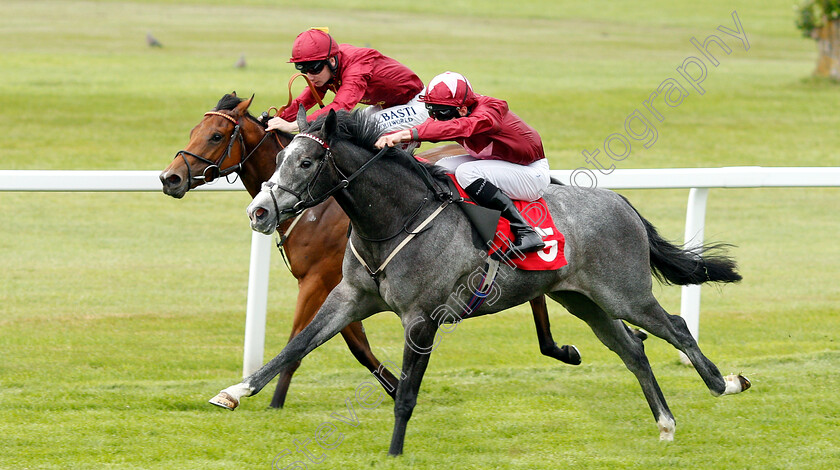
506 158
356 75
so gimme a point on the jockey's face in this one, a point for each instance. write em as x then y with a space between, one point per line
320 77
441 112
445 113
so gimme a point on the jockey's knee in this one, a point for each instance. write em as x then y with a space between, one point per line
466 174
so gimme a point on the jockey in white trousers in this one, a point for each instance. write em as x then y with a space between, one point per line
506 158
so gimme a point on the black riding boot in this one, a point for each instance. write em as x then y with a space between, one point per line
486 194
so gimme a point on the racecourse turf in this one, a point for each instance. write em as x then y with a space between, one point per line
121 314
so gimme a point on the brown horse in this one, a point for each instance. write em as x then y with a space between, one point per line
230 140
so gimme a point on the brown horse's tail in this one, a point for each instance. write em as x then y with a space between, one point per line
672 264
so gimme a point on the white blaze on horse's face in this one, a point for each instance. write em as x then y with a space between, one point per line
294 173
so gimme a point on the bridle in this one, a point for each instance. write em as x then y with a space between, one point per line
313 201
303 204
215 167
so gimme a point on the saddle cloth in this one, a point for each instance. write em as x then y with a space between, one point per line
537 214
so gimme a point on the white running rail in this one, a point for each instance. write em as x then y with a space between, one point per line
697 180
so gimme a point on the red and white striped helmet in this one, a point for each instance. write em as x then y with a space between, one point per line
449 88
313 44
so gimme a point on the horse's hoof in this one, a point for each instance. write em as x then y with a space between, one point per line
573 354
745 383
224 400
667 428
734 384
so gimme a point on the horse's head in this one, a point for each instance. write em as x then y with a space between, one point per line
216 148
306 176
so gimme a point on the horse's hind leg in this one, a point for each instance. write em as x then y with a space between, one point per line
621 340
672 328
354 335
311 295
284 378
548 347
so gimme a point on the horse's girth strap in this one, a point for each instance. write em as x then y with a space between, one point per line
406 240
480 295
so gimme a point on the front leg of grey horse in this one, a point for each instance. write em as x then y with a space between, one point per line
343 306
419 344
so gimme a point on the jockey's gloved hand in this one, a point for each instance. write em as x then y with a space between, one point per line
263 119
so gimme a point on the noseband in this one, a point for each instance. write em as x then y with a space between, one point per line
216 166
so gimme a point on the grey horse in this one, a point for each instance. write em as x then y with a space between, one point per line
611 251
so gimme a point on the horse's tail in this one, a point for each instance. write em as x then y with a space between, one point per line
672 264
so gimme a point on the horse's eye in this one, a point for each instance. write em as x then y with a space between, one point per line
305 164
216 137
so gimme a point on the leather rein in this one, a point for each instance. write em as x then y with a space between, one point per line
313 201
237 135
216 166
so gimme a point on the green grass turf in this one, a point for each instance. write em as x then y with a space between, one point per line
121 314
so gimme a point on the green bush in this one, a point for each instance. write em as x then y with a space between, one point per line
813 13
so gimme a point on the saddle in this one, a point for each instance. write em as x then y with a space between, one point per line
492 233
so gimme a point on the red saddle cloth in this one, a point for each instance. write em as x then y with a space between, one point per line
537 214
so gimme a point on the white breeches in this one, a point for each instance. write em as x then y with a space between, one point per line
524 182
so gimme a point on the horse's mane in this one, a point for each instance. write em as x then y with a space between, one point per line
359 129
229 102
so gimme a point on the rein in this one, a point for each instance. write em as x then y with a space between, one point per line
312 90
344 183
314 201
216 166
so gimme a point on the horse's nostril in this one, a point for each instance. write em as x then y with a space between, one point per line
260 213
173 180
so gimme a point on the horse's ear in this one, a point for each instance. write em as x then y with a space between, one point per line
330 125
242 107
233 93
301 118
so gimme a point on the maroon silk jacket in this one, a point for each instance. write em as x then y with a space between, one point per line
363 76
490 132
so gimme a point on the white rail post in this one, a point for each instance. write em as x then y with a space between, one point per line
695 217
257 303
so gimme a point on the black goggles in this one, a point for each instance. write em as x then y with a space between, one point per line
442 112
313 67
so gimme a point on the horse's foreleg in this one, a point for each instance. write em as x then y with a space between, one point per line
305 309
313 292
357 341
344 305
311 295
419 338
548 347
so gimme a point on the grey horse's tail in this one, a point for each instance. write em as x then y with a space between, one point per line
672 264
